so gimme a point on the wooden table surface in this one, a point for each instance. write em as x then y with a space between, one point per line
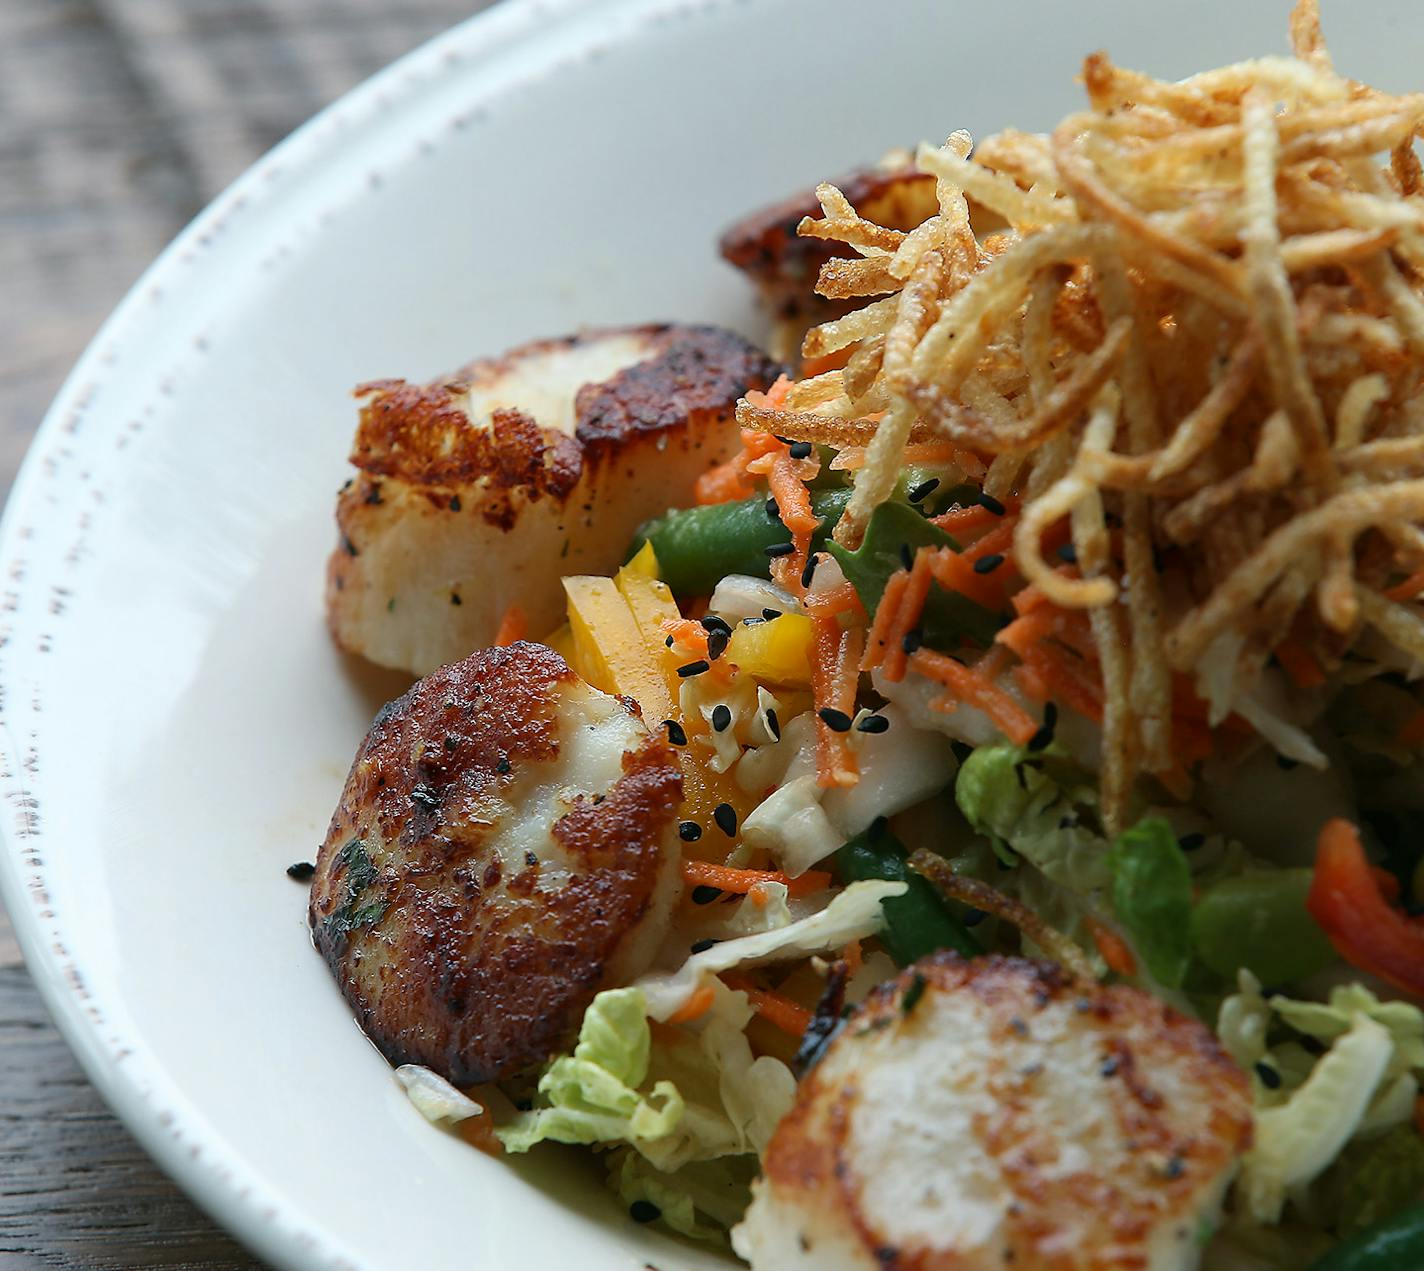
119 120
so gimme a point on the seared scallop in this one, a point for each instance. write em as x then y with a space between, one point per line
505 848
996 1113
484 488
784 266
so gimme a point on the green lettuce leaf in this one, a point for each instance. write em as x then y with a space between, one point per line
1039 805
702 1199
592 1095
948 616
1152 895
1375 1178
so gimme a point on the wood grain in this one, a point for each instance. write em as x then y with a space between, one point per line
120 120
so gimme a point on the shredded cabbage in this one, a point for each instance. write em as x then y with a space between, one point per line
1042 807
592 1095
854 914
1297 1139
434 1097
703 1199
791 824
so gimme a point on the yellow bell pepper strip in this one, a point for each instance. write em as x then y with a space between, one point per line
609 649
652 605
775 652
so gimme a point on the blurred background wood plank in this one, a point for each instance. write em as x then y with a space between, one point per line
119 121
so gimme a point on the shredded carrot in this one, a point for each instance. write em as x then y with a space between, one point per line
876 641
741 881
513 626
946 452
1412 733
907 615
1299 663
726 483
962 520
835 676
842 598
998 539
1408 589
1115 950
1067 679
776 1008
976 690
1025 632
696 1006
686 634
853 958
954 572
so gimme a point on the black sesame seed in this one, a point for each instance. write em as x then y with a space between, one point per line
455 598
689 669
725 815
773 725
1109 1066
705 895
301 871
669 642
1270 1078
721 717
1068 553
713 623
1175 1167
701 946
780 549
926 487
873 724
1190 842
1043 738
689 831
772 510
771 615
912 639
502 765
1285 763
801 450
752 622
785 441
675 733
973 917
988 564
717 642
454 503
990 504
836 721
809 572
907 557
644 1211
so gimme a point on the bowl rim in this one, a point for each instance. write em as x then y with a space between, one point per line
174 1133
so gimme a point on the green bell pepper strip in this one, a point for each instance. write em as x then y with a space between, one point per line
697 547
917 923
1397 1244
1258 920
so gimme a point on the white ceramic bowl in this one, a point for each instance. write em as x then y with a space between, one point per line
175 726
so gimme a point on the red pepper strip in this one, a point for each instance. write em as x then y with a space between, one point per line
1346 900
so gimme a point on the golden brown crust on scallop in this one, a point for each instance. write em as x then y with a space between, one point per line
451 958
696 373
421 435
1102 1214
766 247
481 489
